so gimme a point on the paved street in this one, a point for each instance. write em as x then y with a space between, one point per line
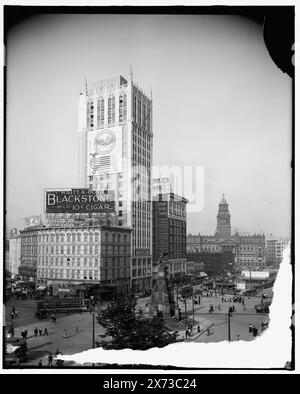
217 321
78 327
41 346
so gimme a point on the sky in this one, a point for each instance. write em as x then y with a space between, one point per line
219 103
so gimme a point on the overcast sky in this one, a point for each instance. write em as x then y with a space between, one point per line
219 102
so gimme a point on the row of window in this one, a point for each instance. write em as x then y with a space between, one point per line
141 272
92 250
111 111
67 274
69 237
83 262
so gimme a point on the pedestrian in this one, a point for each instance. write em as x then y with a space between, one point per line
208 331
45 331
50 359
35 331
198 328
65 334
13 309
40 331
250 328
25 333
40 364
254 330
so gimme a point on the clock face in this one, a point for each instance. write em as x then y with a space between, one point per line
105 142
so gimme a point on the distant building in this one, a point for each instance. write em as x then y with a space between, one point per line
212 263
14 252
249 250
29 253
169 231
274 249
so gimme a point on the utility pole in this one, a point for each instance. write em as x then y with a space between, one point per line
193 308
185 325
93 330
229 337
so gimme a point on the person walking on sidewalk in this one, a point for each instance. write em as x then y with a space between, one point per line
50 359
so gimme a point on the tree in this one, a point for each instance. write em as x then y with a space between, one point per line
129 328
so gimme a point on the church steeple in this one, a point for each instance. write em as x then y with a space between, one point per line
223 220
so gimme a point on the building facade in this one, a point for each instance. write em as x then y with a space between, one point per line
169 231
29 254
14 256
274 249
90 255
249 250
115 152
212 263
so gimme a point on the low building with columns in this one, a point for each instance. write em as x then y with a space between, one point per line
249 250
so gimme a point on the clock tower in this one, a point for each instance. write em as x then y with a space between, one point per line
223 220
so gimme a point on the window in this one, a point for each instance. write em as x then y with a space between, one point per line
122 107
111 110
90 113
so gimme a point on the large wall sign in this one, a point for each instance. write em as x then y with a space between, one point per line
104 150
79 201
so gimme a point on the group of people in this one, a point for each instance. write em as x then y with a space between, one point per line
40 331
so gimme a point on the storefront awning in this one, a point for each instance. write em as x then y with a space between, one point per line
41 288
64 290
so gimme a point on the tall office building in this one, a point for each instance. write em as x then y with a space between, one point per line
115 153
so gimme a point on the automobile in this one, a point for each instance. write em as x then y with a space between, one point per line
263 307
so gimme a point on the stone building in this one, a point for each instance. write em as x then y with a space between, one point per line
249 250
115 152
169 231
88 255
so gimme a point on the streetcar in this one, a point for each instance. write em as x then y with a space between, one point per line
65 305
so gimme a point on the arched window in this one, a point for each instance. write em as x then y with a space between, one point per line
100 112
122 107
111 110
90 113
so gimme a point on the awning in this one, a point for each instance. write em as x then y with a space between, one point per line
64 290
10 348
41 288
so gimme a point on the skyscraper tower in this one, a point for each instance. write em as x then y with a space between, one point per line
223 220
115 153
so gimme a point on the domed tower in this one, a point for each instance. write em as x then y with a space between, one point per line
223 220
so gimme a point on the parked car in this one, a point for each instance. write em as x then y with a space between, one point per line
263 307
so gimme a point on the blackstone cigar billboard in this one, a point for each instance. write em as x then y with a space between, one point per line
79 201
